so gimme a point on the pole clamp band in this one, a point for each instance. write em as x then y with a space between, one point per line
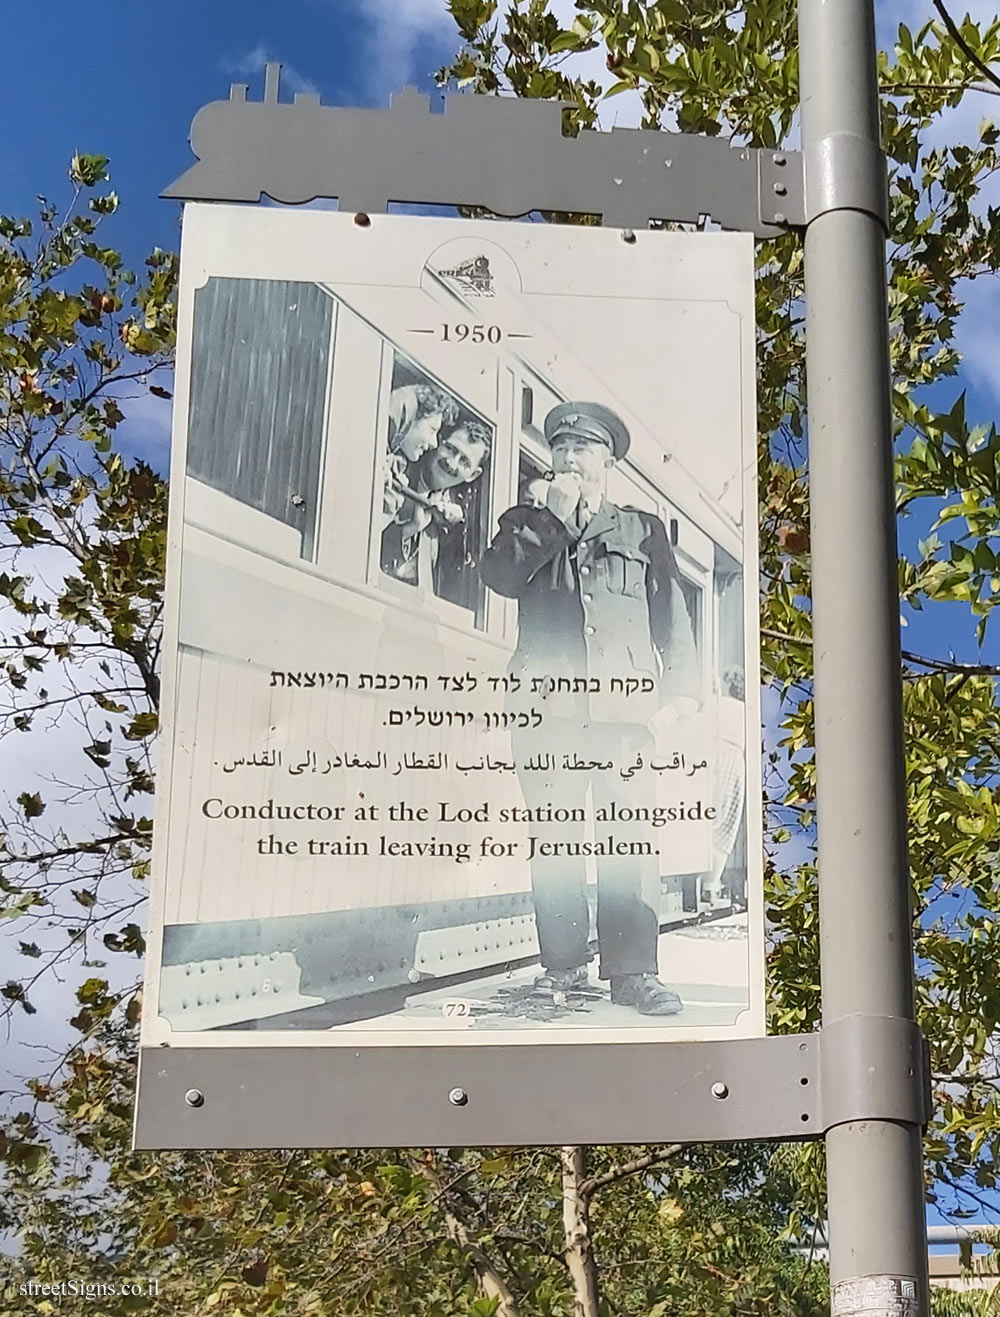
873 1067
846 172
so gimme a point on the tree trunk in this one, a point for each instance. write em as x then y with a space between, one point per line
576 1230
490 1282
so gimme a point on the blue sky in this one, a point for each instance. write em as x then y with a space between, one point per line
125 81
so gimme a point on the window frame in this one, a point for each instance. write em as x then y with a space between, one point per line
400 592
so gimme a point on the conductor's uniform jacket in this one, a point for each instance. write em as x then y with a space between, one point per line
604 603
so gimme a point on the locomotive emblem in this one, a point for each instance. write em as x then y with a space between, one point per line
474 276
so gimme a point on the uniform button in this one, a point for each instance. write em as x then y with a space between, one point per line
588 598
584 571
590 630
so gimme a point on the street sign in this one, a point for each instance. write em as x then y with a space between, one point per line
506 538
461 717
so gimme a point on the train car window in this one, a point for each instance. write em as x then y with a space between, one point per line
436 490
693 598
537 400
258 395
730 632
527 406
532 478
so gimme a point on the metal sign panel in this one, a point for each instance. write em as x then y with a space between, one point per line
461 690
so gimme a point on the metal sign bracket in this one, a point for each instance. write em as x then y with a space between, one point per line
846 172
781 1087
508 155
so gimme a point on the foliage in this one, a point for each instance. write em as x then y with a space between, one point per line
84 532
408 1233
479 1232
973 1303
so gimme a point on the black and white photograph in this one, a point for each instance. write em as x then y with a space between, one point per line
461 684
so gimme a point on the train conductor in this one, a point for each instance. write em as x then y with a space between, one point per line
598 597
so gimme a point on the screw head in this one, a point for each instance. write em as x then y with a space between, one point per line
628 235
779 159
779 217
780 189
362 220
720 1091
194 1097
458 1097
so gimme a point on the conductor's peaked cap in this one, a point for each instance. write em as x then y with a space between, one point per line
588 420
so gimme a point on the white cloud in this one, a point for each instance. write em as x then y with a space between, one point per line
399 30
976 335
145 432
253 61
915 13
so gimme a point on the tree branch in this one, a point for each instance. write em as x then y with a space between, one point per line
950 665
622 1171
73 542
151 681
894 88
936 664
577 1243
491 1283
966 1079
783 635
60 644
69 699
963 45
77 848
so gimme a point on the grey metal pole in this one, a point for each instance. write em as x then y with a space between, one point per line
876 1198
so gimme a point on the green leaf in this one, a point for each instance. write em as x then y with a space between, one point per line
88 170
91 991
31 804
141 726
564 41
106 205
483 1307
98 752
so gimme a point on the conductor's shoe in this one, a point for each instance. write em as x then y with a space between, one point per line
646 993
562 980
